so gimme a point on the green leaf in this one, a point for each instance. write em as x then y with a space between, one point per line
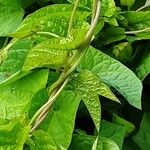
120 121
109 144
14 97
51 20
85 142
122 51
54 52
143 68
40 140
110 35
60 122
38 100
138 20
128 3
13 133
143 135
89 96
14 59
115 74
113 131
47 54
89 87
108 8
10 17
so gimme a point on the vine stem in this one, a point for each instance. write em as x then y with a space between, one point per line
72 18
58 86
143 7
42 112
138 31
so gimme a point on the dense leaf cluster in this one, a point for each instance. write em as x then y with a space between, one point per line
74 75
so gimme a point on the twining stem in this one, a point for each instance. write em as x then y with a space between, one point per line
44 109
138 31
58 86
72 18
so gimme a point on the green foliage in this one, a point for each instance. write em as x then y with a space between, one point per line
13 133
11 15
72 74
103 66
16 96
143 135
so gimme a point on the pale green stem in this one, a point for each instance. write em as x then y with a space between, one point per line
72 18
143 7
48 33
62 81
138 31
40 114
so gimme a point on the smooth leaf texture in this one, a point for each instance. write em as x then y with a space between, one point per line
50 19
143 135
14 97
110 35
85 142
113 131
41 141
60 122
13 133
115 74
138 20
144 67
11 15
122 122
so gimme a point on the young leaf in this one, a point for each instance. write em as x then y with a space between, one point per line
87 80
50 20
115 74
11 15
14 97
60 122
89 87
13 133
144 67
113 131
143 135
